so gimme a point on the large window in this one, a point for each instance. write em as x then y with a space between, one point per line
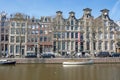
106 36
41 31
67 34
76 35
106 45
100 35
67 27
45 38
18 24
22 39
72 27
17 39
23 25
76 27
111 35
2 30
12 49
17 48
81 36
18 30
111 45
23 31
12 39
63 45
99 45
12 30
88 45
94 45
72 35
59 45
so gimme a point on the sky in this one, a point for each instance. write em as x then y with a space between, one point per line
40 8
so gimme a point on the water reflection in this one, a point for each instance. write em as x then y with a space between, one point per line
60 72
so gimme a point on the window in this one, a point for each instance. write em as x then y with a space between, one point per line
81 46
6 37
12 39
12 30
106 45
18 24
67 27
111 28
99 45
71 27
112 45
23 31
2 30
18 31
63 35
111 36
33 26
45 38
17 39
72 22
22 39
28 39
87 45
76 27
63 45
67 34
94 35
94 45
72 35
12 49
2 24
17 48
76 35
36 39
81 36
41 31
41 39
100 35
106 36
59 45
2 37
23 24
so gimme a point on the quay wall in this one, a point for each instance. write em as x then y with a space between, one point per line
60 60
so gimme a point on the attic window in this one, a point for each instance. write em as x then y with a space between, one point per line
45 19
87 16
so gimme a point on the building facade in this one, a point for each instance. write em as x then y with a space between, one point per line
4 33
86 34
20 34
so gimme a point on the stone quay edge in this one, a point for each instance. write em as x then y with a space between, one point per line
61 60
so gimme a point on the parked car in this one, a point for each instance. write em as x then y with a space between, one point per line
115 55
48 55
31 55
82 54
103 54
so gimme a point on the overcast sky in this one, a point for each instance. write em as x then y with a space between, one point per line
39 8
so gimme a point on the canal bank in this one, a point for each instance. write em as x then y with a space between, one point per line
60 60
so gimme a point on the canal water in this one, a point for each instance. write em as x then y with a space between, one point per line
60 72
